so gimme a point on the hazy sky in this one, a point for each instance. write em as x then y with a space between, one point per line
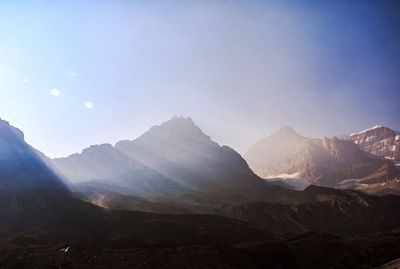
76 73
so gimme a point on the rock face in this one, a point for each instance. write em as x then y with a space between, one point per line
174 162
21 169
322 161
29 190
43 226
380 141
36 204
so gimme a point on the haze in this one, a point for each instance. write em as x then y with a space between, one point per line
78 73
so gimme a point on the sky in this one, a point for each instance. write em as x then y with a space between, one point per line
76 73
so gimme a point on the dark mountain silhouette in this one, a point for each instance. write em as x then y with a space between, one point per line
20 168
322 161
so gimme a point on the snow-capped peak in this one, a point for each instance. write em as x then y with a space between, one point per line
369 129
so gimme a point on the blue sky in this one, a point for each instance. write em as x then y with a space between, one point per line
76 73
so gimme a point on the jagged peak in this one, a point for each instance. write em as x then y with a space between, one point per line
370 129
95 148
180 120
176 129
181 124
286 128
286 131
6 129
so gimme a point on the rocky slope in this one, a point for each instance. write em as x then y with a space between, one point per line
322 161
380 141
34 203
42 225
171 163
20 168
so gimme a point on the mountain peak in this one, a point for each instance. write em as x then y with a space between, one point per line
180 121
370 129
9 131
379 140
285 131
182 125
286 128
21 167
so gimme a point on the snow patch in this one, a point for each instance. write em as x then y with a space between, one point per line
294 175
389 158
369 138
370 129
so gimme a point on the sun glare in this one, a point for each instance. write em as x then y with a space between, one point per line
55 92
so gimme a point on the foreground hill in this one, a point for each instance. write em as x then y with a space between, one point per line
321 161
308 250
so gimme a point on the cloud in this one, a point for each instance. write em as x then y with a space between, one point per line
88 105
72 73
55 92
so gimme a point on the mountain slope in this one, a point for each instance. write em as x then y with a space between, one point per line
380 141
322 161
20 167
35 203
319 209
173 163
43 225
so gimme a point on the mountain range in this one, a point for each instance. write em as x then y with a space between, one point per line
330 162
87 210
174 163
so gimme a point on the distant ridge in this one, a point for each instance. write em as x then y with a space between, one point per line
322 161
369 129
380 141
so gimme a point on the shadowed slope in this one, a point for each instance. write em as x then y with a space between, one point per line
33 201
174 162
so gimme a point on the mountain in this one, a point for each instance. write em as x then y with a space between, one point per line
174 162
321 161
44 225
380 141
21 169
176 168
37 208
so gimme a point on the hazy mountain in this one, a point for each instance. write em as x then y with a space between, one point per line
174 162
42 225
322 161
105 164
380 141
36 205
